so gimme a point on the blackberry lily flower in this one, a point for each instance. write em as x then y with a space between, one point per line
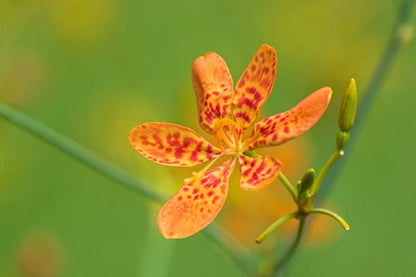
230 116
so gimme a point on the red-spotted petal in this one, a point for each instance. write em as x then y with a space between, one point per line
213 87
171 144
254 87
257 173
282 127
195 205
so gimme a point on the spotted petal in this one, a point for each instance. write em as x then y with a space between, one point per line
282 127
257 173
195 205
171 144
254 87
213 87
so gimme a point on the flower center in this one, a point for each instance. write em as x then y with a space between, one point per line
225 133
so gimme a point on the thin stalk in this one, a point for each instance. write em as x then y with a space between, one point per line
111 171
276 224
80 153
284 260
393 46
324 171
335 216
395 42
239 254
288 185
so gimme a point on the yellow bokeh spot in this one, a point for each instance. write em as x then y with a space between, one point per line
81 21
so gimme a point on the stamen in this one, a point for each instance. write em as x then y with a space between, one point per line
227 139
223 134
219 141
202 171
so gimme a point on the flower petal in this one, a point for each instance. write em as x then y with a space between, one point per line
171 144
213 87
254 87
282 127
195 205
257 173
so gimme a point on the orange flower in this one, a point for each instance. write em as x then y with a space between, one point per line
227 114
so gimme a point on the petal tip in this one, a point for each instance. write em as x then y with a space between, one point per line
329 94
207 55
164 228
325 90
267 46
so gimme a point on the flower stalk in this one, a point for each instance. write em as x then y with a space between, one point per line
310 183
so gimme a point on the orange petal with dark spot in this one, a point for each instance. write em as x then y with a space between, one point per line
257 173
171 144
213 87
196 204
282 127
254 87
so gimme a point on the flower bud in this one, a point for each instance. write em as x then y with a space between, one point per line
348 107
305 196
306 182
342 139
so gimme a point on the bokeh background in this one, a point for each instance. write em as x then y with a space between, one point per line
92 70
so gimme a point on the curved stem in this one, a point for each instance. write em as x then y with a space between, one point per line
283 261
335 216
322 174
110 170
288 185
276 224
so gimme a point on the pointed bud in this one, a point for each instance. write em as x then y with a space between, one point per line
342 139
307 181
348 107
305 197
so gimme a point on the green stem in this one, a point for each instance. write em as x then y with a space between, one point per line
283 261
282 177
107 169
331 161
335 216
80 153
393 46
396 41
276 224
230 245
288 185
378 77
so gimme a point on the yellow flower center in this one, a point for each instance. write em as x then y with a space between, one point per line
225 133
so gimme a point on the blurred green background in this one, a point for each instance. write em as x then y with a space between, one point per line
92 70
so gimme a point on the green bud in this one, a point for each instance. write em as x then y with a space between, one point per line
306 182
305 198
348 107
342 139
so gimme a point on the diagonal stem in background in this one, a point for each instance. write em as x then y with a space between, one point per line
397 39
236 251
241 256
